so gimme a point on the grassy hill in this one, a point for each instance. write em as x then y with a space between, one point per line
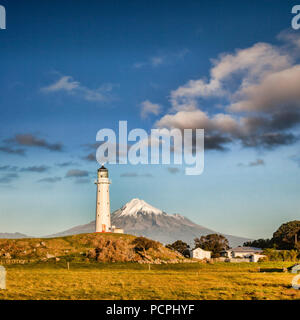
89 247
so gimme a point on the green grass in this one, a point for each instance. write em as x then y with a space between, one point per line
135 281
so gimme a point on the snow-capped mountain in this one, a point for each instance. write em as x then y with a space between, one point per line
139 218
137 206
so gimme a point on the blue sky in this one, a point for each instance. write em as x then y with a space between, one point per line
69 69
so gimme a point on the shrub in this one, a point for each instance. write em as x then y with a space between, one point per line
108 250
180 247
281 255
144 244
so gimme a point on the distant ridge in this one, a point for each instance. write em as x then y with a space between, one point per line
139 218
15 235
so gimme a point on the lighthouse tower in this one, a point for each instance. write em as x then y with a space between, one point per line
103 204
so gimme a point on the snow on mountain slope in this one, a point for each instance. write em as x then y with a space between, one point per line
136 206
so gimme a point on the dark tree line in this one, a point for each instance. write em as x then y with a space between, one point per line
287 237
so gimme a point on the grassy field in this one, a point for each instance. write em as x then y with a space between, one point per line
136 281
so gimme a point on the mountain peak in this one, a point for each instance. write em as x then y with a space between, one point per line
139 218
135 206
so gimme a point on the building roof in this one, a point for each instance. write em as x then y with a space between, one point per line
246 249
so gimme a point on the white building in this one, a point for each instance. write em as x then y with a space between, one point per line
103 223
251 253
200 254
114 229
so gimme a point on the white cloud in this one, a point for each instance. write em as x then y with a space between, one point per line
152 62
259 90
65 83
291 39
256 61
250 65
156 61
162 59
275 91
220 122
148 108
138 65
68 85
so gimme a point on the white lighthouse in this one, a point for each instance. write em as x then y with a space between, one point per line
103 223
